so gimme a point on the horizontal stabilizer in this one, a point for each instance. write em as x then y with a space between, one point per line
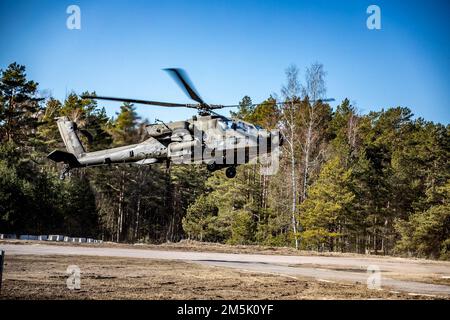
66 157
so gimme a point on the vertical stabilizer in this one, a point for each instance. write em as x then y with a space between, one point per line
67 129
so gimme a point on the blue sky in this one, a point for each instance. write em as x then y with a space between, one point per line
234 48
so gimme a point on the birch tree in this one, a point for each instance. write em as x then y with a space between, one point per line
289 111
312 121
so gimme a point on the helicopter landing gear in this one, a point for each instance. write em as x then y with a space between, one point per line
64 172
230 172
212 166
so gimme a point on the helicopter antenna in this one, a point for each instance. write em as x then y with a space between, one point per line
160 121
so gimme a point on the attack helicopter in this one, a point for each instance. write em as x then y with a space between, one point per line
208 138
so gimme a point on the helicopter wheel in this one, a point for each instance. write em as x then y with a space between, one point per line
230 172
211 166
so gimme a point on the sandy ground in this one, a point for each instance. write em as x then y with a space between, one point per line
44 277
319 275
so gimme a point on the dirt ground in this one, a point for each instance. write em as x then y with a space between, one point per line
419 277
44 277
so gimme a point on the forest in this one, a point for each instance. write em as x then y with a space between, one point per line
375 183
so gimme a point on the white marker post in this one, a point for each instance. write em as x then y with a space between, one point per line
2 258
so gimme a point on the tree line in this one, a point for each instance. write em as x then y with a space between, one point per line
347 182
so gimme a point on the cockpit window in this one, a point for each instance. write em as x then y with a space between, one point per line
224 124
241 126
246 127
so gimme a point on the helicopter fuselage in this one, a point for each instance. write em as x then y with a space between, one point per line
210 138
213 140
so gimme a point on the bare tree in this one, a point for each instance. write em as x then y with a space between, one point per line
290 93
314 89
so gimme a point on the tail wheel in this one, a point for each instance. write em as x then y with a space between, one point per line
230 172
65 171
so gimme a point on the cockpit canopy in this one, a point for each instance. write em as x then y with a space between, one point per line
236 124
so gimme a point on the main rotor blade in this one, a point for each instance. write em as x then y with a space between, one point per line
182 79
148 102
268 102
324 100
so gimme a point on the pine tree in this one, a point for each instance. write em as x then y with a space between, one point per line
427 233
199 215
125 126
325 211
19 106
